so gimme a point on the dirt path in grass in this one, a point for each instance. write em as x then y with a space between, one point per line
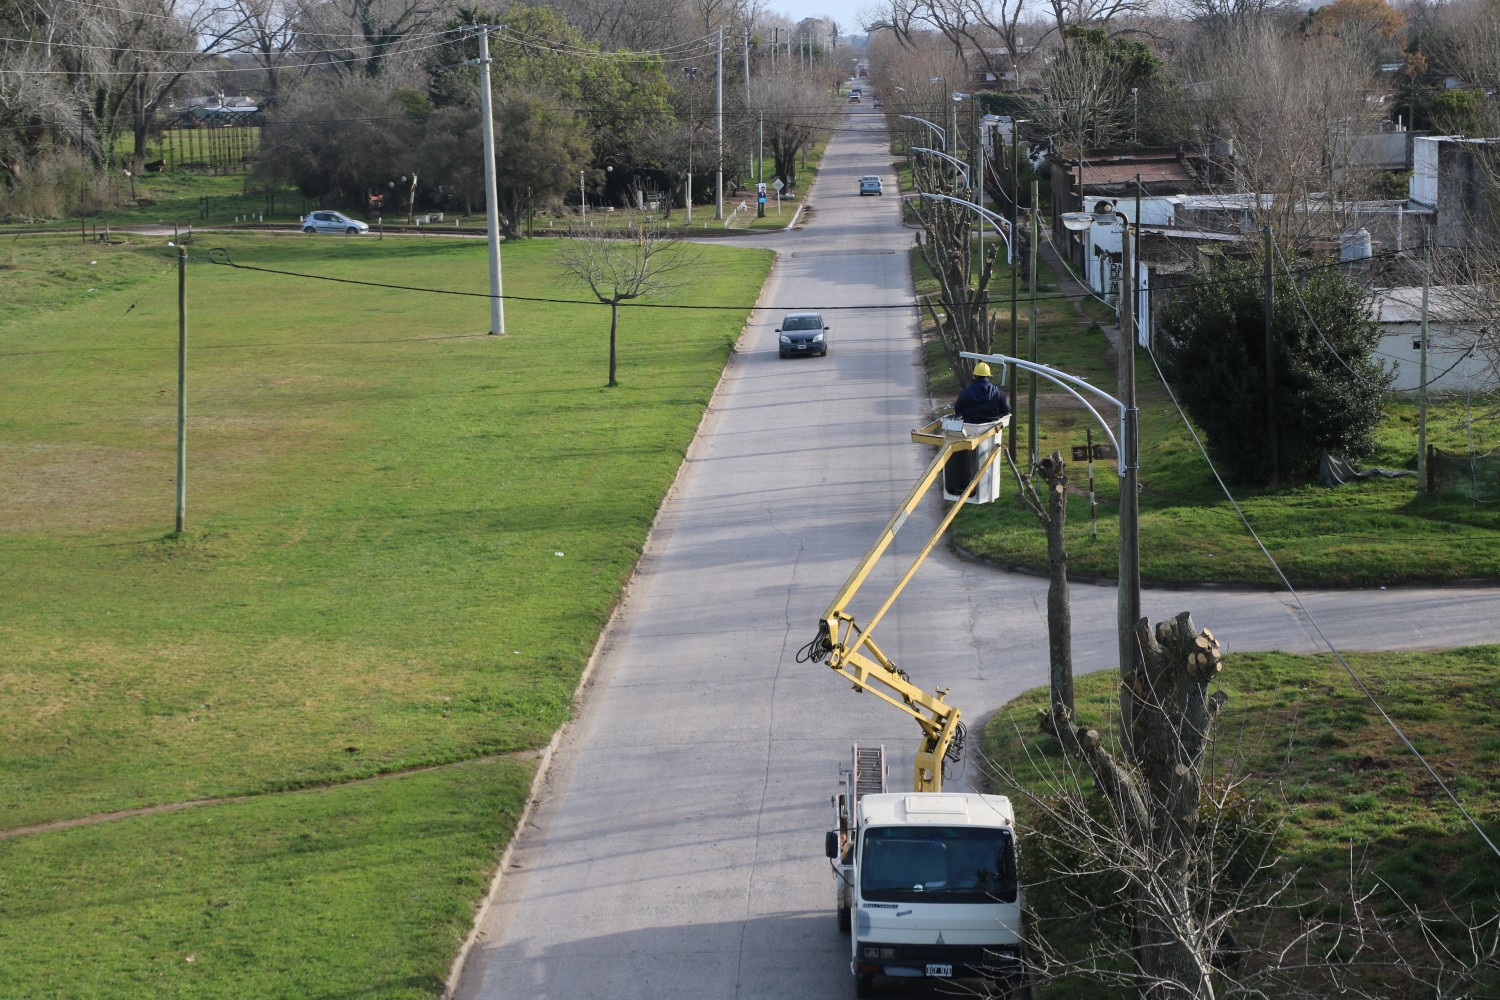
170 807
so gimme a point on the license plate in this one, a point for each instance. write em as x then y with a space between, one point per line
940 971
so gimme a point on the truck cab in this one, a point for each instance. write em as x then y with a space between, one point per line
933 888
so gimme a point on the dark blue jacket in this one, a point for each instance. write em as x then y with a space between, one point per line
981 402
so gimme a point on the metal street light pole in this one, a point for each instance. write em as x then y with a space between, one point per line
1129 596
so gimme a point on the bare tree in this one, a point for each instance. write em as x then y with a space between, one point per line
1153 798
638 25
368 38
1089 13
1052 515
1221 20
642 261
265 31
797 110
1199 903
947 227
1275 104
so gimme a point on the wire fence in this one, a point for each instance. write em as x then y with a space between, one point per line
1469 475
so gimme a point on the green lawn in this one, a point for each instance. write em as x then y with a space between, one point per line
1309 748
1377 532
403 538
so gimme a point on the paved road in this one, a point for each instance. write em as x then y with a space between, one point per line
676 850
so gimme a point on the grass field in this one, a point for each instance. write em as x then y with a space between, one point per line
1376 532
1308 747
403 538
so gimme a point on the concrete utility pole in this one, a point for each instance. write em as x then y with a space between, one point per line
719 185
1129 601
1015 267
1271 361
1422 391
691 72
181 388
491 199
1033 444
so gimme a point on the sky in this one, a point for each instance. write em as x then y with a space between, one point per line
845 13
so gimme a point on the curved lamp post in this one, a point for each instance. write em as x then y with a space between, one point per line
957 163
1002 226
941 135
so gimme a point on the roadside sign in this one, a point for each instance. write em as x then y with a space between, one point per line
777 184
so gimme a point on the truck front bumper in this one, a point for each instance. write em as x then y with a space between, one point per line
917 960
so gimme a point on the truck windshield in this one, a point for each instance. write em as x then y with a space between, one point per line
949 864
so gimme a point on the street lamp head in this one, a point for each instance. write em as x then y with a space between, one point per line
935 79
1077 222
961 96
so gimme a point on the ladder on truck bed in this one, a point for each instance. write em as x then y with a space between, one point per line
865 775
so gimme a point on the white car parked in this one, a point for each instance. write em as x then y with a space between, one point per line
333 222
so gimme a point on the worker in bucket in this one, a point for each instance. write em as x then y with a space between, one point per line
982 402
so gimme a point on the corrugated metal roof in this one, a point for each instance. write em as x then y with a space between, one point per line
1124 173
1444 304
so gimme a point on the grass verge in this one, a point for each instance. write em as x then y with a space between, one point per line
1311 747
403 538
1376 532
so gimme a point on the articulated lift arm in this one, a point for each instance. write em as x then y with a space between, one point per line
848 649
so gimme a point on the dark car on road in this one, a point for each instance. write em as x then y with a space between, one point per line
803 333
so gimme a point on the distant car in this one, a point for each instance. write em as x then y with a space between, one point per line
869 184
333 222
877 106
803 333
853 98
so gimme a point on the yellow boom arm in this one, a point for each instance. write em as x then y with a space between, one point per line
848 649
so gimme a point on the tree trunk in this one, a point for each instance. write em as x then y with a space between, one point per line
1156 797
1054 473
614 325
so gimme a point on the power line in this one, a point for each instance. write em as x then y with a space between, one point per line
1312 619
220 256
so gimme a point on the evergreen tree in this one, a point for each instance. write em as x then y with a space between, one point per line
1328 383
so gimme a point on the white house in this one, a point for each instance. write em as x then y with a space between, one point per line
1453 329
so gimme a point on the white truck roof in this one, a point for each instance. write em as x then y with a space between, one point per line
935 809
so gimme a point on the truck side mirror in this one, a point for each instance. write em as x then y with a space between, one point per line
831 843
